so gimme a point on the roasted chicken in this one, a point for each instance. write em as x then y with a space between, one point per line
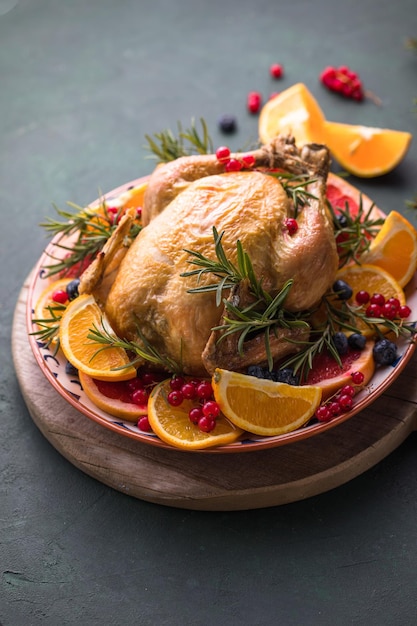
147 298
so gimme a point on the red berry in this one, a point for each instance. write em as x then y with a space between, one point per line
276 70
211 409
195 414
395 302
176 382
291 225
151 378
404 311
134 384
189 391
254 102
345 402
175 397
323 413
60 296
373 310
334 408
223 154
357 378
347 390
248 160
389 311
233 165
362 297
206 424
205 390
378 298
138 212
140 397
143 424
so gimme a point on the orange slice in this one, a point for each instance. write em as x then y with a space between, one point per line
363 150
79 318
110 399
293 112
264 407
173 426
48 312
134 197
327 374
395 248
372 279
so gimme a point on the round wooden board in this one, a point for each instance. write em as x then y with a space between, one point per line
215 482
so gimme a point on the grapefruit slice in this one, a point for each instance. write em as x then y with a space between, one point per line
114 397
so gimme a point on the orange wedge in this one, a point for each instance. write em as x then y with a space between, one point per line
395 248
79 318
173 426
363 150
264 407
293 112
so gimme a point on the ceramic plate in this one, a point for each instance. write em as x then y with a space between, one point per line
68 386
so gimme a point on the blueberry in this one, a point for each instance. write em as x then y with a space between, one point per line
341 343
228 124
342 290
72 289
342 220
255 370
357 341
286 375
385 352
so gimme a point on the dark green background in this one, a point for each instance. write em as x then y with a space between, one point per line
81 83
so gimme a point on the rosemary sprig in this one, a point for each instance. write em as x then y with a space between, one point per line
92 227
354 234
295 186
145 352
165 146
48 327
222 268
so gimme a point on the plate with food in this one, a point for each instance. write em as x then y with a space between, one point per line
228 302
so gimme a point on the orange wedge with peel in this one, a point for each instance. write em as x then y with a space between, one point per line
365 151
173 426
294 112
104 363
264 407
394 249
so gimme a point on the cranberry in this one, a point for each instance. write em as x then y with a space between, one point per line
378 298
134 384
175 397
347 390
276 70
195 414
291 225
389 311
248 160
323 413
345 402
143 424
60 296
140 397
357 378
176 382
205 390
189 391
394 302
362 297
223 154
335 408
211 409
233 165
373 310
254 102
404 311
206 424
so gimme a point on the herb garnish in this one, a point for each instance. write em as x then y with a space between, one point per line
165 146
